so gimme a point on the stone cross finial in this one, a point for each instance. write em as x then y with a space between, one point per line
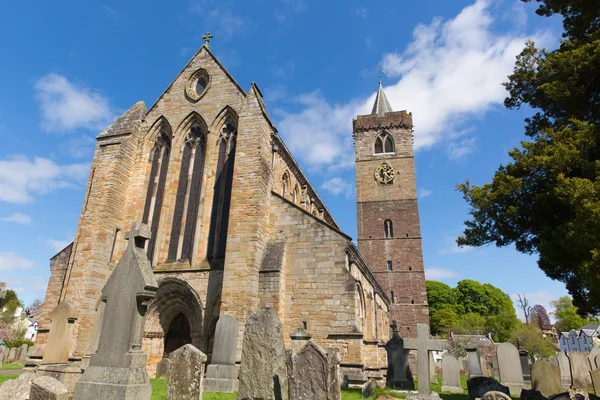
207 38
140 233
395 326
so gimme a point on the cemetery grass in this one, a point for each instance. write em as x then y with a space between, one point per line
12 366
4 378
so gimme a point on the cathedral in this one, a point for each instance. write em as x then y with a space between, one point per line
236 227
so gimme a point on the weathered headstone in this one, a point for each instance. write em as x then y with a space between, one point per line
592 357
480 385
423 344
263 371
299 338
399 375
509 365
118 369
95 336
565 369
580 370
545 377
60 335
595 375
2 353
22 353
47 388
17 389
186 374
309 373
493 395
432 374
524 357
162 369
222 373
474 363
574 394
369 388
532 394
12 354
450 374
334 358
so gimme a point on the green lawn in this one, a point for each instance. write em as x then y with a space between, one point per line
11 366
4 378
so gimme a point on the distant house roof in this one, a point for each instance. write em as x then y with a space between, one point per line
476 341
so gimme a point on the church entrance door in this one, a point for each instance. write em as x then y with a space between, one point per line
178 334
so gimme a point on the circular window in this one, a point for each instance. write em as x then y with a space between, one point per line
198 84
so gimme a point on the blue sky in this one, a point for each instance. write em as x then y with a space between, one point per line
68 69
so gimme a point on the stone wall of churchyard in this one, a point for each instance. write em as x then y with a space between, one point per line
396 258
319 291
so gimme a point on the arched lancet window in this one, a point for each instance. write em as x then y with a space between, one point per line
361 307
285 184
392 296
156 185
384 143
188 194
388 229
217 238
296 194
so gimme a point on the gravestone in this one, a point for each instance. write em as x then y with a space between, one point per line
60 335
334 358
369 388
509 366
480 385
524 357
399 375
309 373
299 338
595 375
580 370
565 369
450 374
47 388
574 394
432 374
95 336
22 355
162 369
423 344
474 363
263 371
118 369
532 394
592 357
222 373
186 373
12 354
545 377
2 351
17 389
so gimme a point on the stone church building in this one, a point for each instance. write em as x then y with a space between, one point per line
237 227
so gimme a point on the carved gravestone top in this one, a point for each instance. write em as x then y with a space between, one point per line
592 357
309 375
450 374
545 377
60 335
225 343
186 373
423 344
580 370
509 365
399 375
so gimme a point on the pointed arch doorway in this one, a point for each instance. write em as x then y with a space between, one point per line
179 334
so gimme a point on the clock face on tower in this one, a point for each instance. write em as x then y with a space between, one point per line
384 174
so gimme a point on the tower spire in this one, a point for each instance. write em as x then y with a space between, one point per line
382 105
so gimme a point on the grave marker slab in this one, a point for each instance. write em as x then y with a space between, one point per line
222 373
186 374
423 344
309 373
565 369
509 366
545 377
580 370
595 375
334 358
47 388
60 335
592 357
474 363
162 369
399 375
480 385
263 371
118 369
450 374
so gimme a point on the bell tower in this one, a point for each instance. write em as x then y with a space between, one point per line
389 233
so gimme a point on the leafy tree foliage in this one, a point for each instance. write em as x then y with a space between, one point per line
539 317
10 302
547 200
439 296
534 342
470 324
484 300
443 320
502 325
567 317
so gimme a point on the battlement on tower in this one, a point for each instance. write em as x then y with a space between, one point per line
391 120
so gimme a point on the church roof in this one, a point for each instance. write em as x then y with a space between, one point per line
382 105
127 122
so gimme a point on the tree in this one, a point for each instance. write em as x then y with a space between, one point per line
439 296
567 317
9 305
484 300
524 305
539 317
502 325
534 342
547 199
470 324
443 320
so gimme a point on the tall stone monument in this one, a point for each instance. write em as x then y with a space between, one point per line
399 375
509 364
423 344
118 368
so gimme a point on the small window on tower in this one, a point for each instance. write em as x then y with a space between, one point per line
384 144
388 228
389 265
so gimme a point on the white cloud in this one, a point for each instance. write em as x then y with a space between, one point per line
542 298
450 247
10 261
362 12
22 178
18 218
29 288
226 22
422 192
66 106
57 245
451 72
439 273
338 186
